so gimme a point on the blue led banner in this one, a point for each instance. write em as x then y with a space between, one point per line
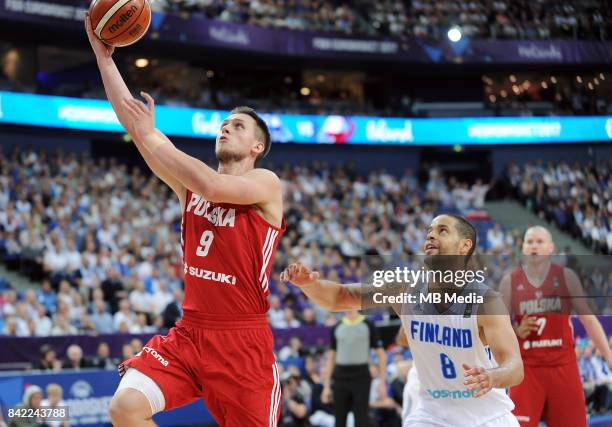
97 115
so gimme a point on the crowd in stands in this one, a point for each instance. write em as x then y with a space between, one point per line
512 19
576 197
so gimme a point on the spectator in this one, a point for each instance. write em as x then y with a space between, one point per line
48 360
32 398
102 359
124 315
102 319
54 401
74 358
294 411
43 323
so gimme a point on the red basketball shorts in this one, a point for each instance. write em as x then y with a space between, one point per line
228 362
552 392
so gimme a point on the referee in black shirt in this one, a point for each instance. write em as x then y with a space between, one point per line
348 360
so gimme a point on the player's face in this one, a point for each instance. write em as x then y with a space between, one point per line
443 238
236 138
537 242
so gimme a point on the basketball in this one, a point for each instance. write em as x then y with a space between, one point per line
120 22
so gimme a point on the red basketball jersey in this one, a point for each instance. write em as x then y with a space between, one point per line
228 252
553 342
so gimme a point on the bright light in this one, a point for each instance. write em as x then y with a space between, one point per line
305 91
141 62
454 34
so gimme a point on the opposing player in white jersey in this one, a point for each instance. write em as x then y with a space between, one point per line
465 355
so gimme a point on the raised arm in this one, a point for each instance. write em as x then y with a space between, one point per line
586 316
329 295
116 92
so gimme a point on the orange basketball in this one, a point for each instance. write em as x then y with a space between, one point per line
120 22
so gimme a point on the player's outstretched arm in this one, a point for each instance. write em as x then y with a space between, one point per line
503 343
117 92
329 295
591 323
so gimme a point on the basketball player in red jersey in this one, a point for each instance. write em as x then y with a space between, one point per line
540 296
222 349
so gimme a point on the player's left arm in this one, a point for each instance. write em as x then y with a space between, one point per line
258 186
586 316
502 340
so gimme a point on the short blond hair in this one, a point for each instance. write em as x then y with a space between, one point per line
54 388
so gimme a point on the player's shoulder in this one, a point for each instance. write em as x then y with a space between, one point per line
261 173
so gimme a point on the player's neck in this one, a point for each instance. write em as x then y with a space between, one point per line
536 271
235 168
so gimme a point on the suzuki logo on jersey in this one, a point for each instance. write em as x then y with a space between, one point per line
209 275
218 216
445 335
541 305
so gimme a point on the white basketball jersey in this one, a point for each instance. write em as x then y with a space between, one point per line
440 345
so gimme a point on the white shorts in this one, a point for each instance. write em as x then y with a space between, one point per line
136 380
420 418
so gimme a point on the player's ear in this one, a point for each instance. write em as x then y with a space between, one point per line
258 148
464 246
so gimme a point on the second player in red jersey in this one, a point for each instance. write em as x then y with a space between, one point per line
541 296
548 306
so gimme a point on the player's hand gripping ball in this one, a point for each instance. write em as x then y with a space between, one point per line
120 22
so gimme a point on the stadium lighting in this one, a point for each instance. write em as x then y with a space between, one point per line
141 62
305 91
454 34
